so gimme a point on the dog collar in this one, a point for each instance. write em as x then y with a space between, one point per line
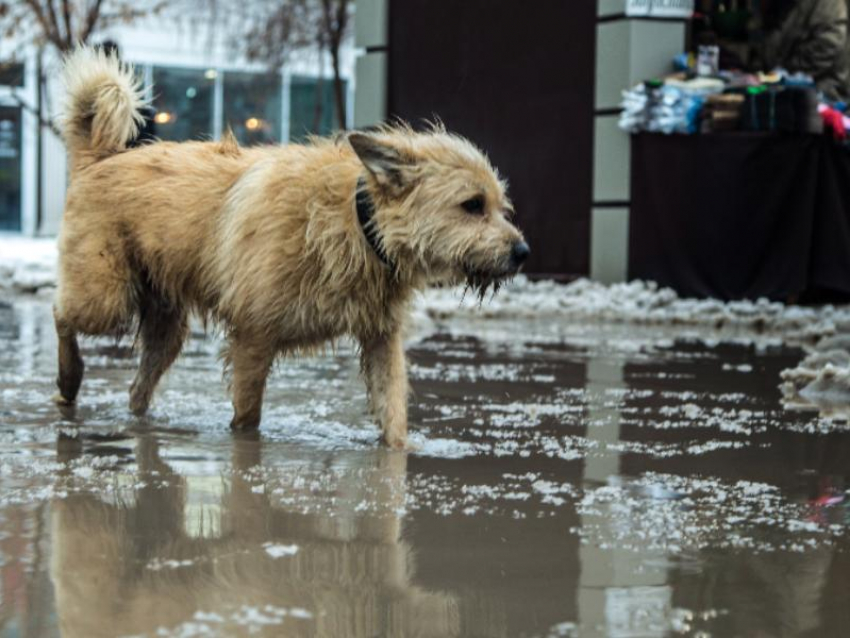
365 215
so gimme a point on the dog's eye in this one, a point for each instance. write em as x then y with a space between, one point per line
475 205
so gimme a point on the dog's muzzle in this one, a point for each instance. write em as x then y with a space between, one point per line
519 253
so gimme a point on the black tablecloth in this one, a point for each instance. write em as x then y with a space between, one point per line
741 215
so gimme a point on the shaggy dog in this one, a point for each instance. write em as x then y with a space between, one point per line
286 247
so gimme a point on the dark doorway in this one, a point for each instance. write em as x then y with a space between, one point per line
517 79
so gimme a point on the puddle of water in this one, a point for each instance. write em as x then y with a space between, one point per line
569 480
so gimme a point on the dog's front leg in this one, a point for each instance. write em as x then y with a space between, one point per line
385 371
251 361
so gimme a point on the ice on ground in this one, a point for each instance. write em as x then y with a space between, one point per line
568 629
677 514
825 388
279 551
822 380
27 264
634 302
442 448
243 620
158 564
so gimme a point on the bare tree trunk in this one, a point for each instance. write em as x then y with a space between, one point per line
339 89
335 23
319 100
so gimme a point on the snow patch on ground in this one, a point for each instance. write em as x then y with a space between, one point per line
821 381
27 264
243 620
442 448
634 302
276 550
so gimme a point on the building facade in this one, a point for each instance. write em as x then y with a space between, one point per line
196 80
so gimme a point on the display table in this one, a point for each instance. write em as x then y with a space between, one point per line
741 215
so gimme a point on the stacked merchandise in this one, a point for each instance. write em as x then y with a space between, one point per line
728 102
790 109
722 112
673 106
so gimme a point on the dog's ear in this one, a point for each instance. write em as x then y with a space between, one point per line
390 167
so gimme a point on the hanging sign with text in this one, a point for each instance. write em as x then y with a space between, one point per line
660 8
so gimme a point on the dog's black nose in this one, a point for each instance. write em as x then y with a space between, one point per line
520 252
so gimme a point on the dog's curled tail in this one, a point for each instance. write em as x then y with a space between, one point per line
103 98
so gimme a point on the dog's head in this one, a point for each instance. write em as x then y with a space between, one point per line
441 209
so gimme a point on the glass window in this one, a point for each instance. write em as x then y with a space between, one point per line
311 107
183 99
11 74
252 107
10 168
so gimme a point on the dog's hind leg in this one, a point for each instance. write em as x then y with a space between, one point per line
162 331
70 362
94 298
385 371
251 360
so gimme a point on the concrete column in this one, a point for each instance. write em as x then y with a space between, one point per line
370 73
628 50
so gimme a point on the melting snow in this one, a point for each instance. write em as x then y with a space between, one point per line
279 551
635 302
27 264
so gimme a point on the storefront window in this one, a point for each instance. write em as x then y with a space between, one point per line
183 99
252 107
311 108
11 74
10 168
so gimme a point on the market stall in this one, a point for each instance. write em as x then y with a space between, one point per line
740 181
741 215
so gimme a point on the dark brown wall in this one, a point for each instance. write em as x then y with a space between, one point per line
516 78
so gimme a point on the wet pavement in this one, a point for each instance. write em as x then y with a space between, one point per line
569 480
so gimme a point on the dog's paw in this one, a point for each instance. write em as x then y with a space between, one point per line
139 405
61 401
244 424
399 444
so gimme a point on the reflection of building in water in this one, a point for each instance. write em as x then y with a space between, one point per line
131 568
621 592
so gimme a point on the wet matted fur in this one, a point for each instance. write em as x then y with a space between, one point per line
266 241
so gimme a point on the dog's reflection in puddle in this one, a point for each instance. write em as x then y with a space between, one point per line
177 553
